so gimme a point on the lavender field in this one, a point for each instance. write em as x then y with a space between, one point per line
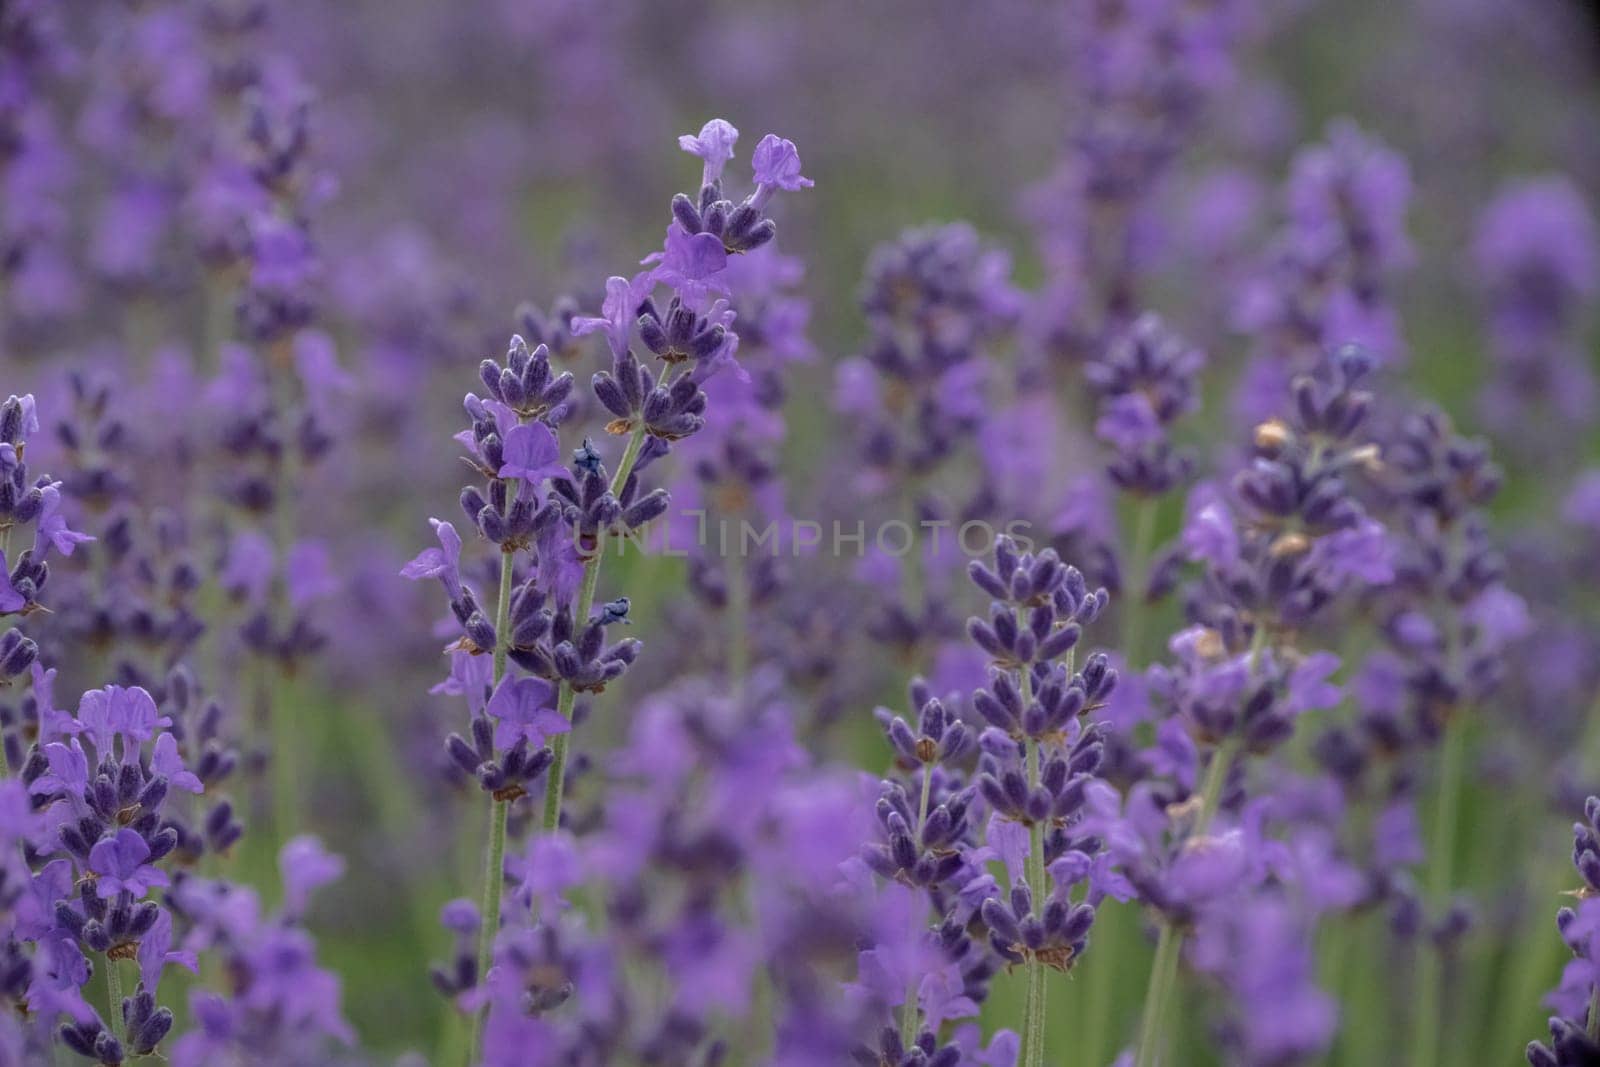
695 533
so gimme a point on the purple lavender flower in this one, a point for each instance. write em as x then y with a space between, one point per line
1146 381
121 861
524 710
284 1004
1537 259
1572 1038
714 144
1327 278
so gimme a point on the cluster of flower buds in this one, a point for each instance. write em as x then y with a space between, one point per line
1449 618
1305 537
1329 274
670 409
939 737
693 345
552 330
1536 267
526 383
935 299
20 500
460 917
147 596
1039 610
506 516
1060 697
682 334
920 838
1572 1041
743 227
1039 756
144 1024
1433 468
1586 845
24 500
507 773
1146 379
18 653
1056 938
1223 687
592 510
1058 797
533 966
122 792
92 439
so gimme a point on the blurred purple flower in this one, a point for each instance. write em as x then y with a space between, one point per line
305 867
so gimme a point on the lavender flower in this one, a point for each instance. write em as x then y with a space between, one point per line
1535 257
239 291
939 303
1146 381
1327 278
513 446
1572 1028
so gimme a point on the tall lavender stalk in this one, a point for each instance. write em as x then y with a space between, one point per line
565 525
1039 610
1299 539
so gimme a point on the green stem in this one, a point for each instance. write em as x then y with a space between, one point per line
1211 788
1033 1035
913 580
1136 577
114 996
279 687
909 1011
1035 1014
1101 980
555 781
1169 946
502 614
1425 999
282 717
1163 975
217 319
495 848
556 777
1102 975
738 614
489 913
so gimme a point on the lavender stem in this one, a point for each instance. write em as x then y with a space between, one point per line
1425 1036
1033 1033
282 702
1136 578
495 847
1101 977
114 996
556 780
1169 947
738 640
908 1012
